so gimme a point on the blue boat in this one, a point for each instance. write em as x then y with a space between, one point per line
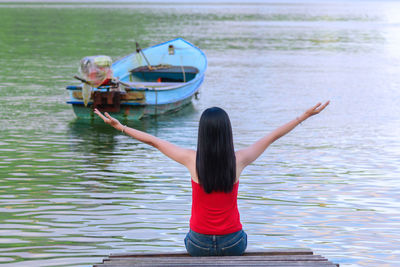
156 80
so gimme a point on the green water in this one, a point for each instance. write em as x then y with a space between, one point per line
72 192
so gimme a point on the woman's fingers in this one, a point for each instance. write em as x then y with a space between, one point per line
316 106
111 119
316 109
323 106
108 115
100 115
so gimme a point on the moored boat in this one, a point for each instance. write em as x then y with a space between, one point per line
158 79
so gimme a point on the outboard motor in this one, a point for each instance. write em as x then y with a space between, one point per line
96 70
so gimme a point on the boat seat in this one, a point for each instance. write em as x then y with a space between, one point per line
165 73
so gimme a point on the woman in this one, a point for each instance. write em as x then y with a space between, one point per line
215 168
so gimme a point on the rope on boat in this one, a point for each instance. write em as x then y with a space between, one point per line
183 71
138 59
155 106
139 50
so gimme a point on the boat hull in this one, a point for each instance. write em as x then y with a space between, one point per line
133 112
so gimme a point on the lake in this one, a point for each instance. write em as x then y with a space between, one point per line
73 191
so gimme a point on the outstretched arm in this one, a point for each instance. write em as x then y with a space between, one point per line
172 151
250 154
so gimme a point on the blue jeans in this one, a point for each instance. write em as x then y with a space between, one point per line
216 245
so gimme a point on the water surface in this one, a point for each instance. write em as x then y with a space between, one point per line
71 191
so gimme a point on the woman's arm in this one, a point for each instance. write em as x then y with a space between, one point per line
250 154
180 155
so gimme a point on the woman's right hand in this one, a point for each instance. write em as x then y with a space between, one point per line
109 120
315 109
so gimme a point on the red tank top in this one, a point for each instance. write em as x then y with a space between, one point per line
215 213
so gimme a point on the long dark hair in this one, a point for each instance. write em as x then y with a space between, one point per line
215 158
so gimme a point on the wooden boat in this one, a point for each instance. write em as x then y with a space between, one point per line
159 79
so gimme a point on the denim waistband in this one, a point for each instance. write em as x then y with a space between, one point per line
218 245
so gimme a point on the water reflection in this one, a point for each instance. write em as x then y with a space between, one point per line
91 137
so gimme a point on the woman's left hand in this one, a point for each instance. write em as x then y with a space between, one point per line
109 120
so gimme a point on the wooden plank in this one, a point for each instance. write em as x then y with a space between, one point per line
273 258
225 263
249 253
280 264
279 252
232 264
222 258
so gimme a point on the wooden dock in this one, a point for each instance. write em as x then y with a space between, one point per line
281 258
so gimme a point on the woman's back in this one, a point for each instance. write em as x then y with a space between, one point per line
214 213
